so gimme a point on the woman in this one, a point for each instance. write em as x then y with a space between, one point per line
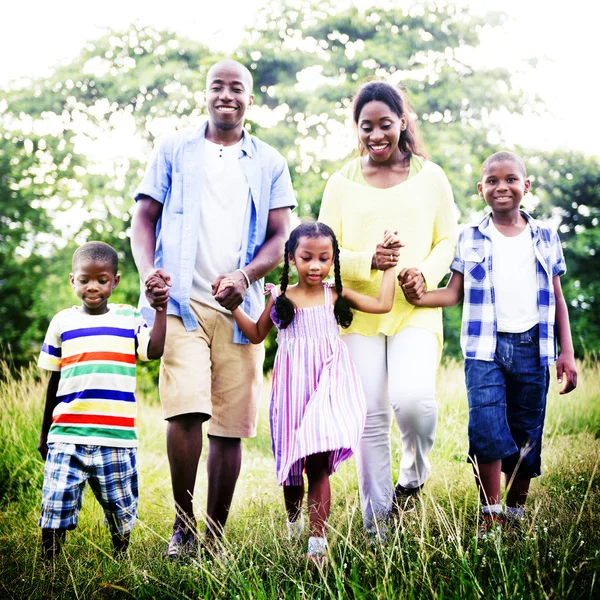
392 185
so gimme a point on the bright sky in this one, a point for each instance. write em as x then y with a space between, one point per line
38 34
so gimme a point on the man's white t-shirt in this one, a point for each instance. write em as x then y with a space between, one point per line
225 194
514 276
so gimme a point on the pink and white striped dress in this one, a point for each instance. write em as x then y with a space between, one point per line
317 401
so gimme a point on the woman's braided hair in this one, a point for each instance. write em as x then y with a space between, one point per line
284 308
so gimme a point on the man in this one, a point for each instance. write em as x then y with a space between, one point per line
214 202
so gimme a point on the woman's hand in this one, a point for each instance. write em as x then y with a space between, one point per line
387 252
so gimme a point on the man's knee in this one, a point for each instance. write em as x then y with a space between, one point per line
187 423
224 442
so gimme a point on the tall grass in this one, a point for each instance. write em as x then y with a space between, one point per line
431 552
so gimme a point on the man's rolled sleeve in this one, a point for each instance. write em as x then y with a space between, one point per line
282 192
157 177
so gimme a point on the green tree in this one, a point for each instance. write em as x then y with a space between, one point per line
73 150
309 58
566 188
75 144
29 173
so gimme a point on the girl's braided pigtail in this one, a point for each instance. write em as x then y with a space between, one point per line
342 309
284 307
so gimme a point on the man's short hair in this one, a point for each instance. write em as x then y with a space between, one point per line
500 157
247 75
98 252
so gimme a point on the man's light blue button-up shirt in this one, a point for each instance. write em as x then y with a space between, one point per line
174 177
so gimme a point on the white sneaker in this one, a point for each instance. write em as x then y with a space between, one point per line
295 528
317 549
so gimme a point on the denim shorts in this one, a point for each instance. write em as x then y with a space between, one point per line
507 404
112 474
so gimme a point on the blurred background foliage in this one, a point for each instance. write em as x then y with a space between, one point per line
73 146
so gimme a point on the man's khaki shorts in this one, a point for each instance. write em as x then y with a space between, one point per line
203 371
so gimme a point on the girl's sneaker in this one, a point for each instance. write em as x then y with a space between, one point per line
317 549
295 528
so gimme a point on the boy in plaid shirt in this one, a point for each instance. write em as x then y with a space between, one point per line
507 273
88 428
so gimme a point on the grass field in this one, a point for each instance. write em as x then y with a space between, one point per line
432 552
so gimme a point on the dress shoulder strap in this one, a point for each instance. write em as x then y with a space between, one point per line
328 294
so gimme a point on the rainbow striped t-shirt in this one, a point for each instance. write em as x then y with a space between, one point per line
96 357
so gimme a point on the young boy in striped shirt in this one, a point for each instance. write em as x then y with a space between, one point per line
88 428
507 273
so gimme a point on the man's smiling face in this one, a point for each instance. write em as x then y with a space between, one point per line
228 94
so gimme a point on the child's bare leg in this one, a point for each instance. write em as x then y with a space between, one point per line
120 544
488 479
516 492
293 496
319 492
52 540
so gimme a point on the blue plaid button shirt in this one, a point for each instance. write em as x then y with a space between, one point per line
474 260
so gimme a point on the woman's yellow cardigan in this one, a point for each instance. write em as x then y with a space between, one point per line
423 212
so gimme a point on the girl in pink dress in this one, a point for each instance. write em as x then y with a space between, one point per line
317 408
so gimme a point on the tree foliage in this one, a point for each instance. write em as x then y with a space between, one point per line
567 190
73 146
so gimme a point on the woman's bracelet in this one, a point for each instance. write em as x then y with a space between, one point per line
245 275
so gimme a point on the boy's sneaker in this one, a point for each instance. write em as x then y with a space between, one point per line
404 499
490 525
183 539
515 522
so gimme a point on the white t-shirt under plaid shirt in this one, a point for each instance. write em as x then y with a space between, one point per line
474 260
96 356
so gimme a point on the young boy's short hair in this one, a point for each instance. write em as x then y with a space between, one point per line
97 252
501 157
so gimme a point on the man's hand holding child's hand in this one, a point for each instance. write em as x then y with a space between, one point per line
157 289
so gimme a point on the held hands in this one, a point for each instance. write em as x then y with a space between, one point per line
565 367
229 289
387 253
412 282
157 285
225 283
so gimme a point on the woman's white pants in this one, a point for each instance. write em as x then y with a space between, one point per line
398 374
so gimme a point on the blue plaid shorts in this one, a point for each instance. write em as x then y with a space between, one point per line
112 473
